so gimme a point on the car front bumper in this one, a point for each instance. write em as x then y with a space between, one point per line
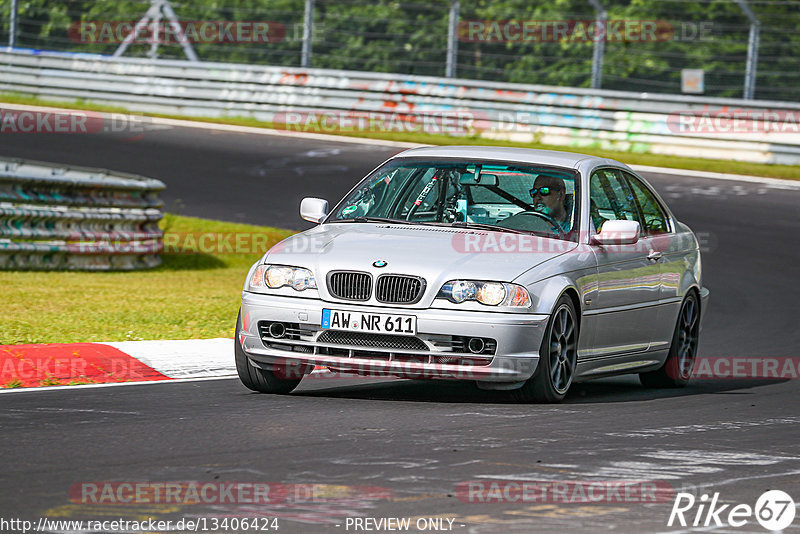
516 355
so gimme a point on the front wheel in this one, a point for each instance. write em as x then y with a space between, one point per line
677 369
255 378
558 358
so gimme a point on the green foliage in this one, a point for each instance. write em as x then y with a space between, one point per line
410 37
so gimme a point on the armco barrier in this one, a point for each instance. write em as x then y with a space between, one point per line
572 117
55 217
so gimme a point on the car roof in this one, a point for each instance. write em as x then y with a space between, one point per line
519 155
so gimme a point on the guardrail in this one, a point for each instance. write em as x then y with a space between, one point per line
754 130
68 218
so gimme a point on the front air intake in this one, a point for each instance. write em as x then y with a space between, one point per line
399 289
350 285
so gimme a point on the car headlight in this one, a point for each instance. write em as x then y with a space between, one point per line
277 276
489 293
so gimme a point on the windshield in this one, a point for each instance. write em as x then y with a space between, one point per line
508 196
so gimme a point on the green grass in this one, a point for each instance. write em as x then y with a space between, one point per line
791 172
190 296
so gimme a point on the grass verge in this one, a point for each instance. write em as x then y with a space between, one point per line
789 172
191 296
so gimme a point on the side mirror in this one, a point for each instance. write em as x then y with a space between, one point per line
313 209
617 233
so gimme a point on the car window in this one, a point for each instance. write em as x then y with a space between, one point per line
611 198
422 195
655 220
515 196
517 184
378 193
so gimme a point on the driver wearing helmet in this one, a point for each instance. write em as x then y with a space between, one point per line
548 196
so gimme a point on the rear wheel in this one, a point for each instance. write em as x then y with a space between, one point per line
558 358
255 378
677 369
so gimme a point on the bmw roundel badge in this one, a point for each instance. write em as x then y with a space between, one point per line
379 263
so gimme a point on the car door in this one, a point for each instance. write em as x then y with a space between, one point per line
667 249
628 281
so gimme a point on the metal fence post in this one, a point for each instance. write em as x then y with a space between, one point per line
308 36
12 26
452 39
752 50
176 27
153 18
599 44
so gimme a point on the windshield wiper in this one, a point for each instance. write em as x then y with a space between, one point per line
368 218
482 226
457 224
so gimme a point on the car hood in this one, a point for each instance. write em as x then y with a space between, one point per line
438 254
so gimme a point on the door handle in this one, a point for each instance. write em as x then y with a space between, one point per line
654 255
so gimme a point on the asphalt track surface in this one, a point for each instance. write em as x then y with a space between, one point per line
399 448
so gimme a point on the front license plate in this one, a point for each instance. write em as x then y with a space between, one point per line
377 323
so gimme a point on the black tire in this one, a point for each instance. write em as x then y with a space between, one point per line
557 355
677 369
255 378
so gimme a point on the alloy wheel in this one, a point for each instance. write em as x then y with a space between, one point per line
687 338
563 350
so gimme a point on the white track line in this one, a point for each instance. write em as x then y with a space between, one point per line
199 124
5 391
775 182
283 133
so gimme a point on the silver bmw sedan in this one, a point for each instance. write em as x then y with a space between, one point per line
522 270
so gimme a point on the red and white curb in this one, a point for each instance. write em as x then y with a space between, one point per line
78 364
193 358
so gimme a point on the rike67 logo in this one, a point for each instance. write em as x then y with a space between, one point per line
774 510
